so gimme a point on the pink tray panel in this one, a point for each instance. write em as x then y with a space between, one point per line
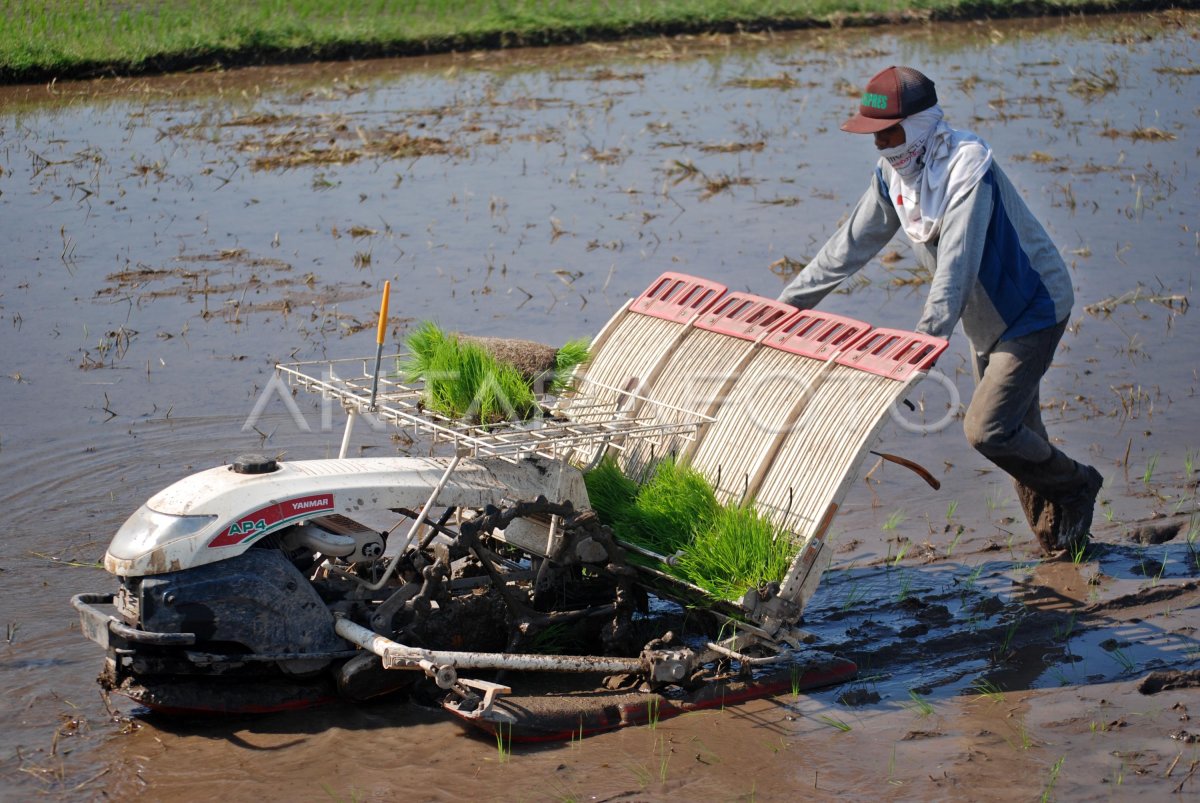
745 315
677 297
893 353
819 335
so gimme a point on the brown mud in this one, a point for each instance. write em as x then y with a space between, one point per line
155 269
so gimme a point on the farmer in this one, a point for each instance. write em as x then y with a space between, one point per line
993 266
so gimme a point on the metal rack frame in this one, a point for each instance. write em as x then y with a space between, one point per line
555 434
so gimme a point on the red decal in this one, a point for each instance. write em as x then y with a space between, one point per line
256 523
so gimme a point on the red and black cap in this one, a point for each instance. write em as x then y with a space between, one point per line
892 95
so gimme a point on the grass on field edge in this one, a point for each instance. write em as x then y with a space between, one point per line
260 49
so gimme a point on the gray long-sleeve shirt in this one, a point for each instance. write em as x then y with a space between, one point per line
993 265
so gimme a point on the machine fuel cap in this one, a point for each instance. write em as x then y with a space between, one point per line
254 464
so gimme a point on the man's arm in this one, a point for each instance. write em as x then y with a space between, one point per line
867 230
959 253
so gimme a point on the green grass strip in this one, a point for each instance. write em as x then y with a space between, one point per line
43 39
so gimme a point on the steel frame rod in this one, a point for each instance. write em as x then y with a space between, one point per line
400 656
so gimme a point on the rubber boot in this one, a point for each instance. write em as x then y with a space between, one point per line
1058 496
1043 516
1076 511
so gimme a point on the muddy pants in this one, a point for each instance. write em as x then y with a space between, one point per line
1004 421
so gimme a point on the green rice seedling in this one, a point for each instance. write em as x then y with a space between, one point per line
1063 632
740 549
854 595
1022 740
1127 663
1025 567
423 342
905 587
724 550
652 712
463 381
893 521
1079 552
834 722
501 394
611 493
1009 633
1054 770
670 509
572 354
503 743
1189 463
951 509
954 544
664 758
1061 676
704 753
919 705
777 745
1151 465
901 551
994 500
988 689
555 639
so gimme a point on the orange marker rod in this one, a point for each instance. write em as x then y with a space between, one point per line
387 291
379 337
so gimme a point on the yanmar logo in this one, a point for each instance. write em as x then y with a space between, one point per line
250 526
321 503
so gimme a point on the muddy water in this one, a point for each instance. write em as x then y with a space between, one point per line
167 241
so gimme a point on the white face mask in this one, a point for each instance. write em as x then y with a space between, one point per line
907 159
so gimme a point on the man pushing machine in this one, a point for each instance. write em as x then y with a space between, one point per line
993 266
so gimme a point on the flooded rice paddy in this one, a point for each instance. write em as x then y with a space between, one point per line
167 241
